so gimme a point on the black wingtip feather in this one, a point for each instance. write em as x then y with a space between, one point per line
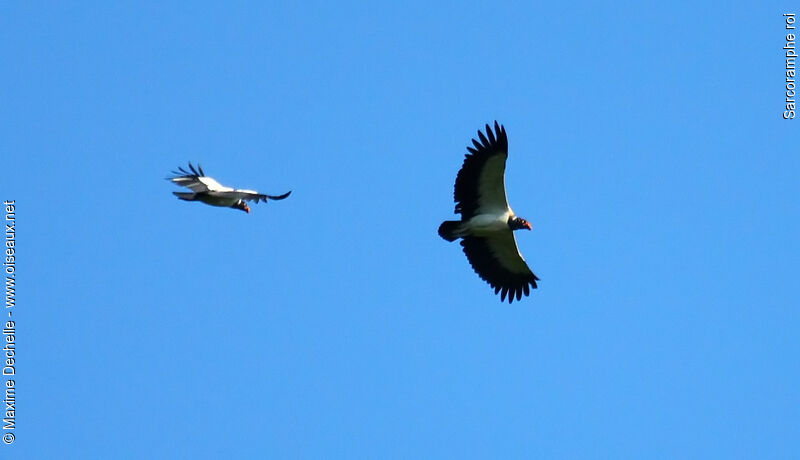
192 172
483 138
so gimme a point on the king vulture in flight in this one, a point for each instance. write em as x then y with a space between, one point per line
209 191
487 222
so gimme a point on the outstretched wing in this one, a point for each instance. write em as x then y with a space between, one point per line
196 180
252 195
497 261
480 184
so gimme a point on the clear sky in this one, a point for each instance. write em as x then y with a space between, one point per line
646 147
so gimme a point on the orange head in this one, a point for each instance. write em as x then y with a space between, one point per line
518 223
242 205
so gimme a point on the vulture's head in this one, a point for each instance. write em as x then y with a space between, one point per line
241 204
518 223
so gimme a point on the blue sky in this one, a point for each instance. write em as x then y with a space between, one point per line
646 147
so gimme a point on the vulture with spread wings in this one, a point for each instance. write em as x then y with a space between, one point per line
487 222
209 191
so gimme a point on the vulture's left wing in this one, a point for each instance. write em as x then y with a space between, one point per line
497 261
196 180
252 195
480 185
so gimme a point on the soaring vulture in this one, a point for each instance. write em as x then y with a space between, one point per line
209 191
487 222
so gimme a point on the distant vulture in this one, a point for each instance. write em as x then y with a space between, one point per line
209 191
487 222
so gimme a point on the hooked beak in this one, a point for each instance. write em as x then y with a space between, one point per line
247 209
528 226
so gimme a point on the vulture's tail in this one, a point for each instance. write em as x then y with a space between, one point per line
450 230
186 196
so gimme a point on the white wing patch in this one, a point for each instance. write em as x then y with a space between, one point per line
213 185
504 247
492 187
200 184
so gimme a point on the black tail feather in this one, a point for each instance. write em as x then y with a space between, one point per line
449 230
185 196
